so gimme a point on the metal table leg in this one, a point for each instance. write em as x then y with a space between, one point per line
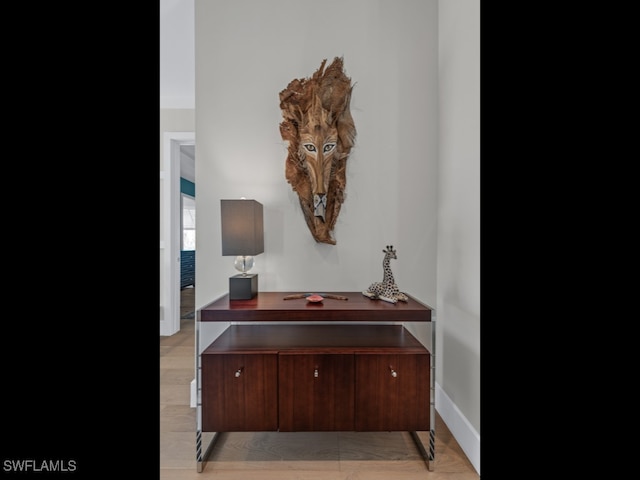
201 458
432 399
430 455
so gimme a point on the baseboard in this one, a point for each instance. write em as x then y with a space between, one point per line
462 430
166 329
194 394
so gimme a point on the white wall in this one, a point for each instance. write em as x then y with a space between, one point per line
177 54
391 55
458 284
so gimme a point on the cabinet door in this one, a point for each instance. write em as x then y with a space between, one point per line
239 392
316 392
392 392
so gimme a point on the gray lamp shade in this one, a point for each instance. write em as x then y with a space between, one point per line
242 227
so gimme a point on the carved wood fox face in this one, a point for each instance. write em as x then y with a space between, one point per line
320 131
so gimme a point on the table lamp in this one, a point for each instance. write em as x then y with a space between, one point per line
242 237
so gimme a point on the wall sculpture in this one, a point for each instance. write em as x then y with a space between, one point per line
320 130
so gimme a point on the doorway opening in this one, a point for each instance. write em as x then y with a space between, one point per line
178 166
187 256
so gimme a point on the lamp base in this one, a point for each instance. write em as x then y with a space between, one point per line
243 287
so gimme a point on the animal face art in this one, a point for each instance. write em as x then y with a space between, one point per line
320 131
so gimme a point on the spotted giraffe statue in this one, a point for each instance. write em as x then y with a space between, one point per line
386 290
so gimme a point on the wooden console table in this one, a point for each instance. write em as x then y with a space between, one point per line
338 365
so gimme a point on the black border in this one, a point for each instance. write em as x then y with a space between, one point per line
81 360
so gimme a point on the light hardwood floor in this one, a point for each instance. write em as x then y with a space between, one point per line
284 455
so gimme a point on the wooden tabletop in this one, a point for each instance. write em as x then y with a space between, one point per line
272 307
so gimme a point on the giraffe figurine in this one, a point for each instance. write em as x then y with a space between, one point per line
386 290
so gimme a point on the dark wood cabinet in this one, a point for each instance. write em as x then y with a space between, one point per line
391 392
315 378
342 366
239 392
315 392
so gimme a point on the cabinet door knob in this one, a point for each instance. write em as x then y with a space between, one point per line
239 371
394 374
315 373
